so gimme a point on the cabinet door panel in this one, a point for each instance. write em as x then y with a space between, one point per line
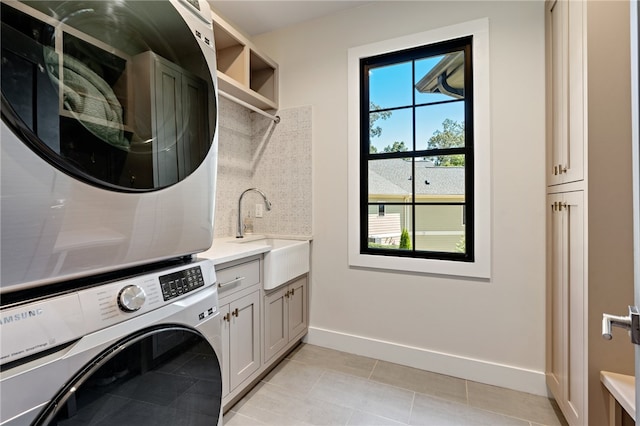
575 306
194 116
275 325
168 128
244 339
297 307
574 148
224 312
555 367
557 46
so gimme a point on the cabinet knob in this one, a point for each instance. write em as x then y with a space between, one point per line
562 169
287 294
234 313
293 291
227 317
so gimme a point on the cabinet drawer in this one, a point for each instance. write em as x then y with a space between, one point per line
238 277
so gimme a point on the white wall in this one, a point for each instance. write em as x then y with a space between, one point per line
492 331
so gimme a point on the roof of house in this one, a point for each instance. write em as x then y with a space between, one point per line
393 177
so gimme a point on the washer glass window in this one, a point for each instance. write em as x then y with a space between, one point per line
168 376
116 93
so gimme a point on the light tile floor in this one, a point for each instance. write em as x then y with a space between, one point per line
319 386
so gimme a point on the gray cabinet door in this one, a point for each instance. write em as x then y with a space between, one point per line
297 307
181 122
244 338
276 329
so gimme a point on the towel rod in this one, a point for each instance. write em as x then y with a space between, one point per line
275 118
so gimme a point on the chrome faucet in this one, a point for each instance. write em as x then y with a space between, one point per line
267 204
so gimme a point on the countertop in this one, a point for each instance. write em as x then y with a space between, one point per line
623 388
227 249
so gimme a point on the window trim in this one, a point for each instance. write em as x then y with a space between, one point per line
480 267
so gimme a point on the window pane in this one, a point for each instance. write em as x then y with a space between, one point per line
390 86
440 78
440 228
386 231
390 130
390 180
440 179
440 126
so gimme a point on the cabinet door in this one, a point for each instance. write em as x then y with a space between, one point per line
566 86
297 307
244 338
566 375
192 146
275 322
225 329
168 123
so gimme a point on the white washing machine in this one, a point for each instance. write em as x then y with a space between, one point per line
108 136
141 350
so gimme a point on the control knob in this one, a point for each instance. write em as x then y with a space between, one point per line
131 298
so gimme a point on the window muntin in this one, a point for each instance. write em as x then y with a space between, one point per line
417 152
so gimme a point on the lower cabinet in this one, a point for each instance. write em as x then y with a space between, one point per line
285 316
258 328
241 340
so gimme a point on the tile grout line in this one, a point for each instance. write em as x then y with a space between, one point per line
372 370
413 401
466 392
308 395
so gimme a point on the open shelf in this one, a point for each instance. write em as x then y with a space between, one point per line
243 72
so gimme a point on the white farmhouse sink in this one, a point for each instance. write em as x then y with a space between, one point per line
286 260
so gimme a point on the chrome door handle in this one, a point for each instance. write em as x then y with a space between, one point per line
630 323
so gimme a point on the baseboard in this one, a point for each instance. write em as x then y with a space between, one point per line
507 376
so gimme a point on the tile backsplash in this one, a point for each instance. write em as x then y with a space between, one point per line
253 151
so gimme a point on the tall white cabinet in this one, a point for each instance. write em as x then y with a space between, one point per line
588 204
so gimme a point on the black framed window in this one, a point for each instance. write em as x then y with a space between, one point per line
416 152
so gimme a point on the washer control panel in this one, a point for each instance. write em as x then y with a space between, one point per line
122 300
42 324
181 282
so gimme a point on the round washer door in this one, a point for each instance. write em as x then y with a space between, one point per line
118 94
162 376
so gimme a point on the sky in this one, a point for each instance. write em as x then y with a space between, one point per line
392 86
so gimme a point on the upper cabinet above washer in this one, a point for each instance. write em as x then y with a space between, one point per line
243 71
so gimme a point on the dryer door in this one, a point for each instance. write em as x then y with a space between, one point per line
164 376
117 94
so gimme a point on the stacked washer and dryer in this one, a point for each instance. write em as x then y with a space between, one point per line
108 167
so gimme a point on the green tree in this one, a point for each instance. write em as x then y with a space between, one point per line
396 147
405 239
451 136
461 246
375 131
